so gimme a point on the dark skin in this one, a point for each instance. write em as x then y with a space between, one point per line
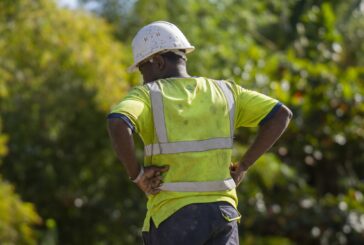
267 135
122 140
123 144
161 67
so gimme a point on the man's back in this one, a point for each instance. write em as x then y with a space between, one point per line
189 110
190 103
187 126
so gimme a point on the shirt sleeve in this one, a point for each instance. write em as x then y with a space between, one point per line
132 109
254 108
122 117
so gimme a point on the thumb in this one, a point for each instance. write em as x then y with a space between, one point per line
160 170
154 170
164 168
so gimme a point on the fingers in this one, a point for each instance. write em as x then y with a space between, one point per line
153 170
233 167
150 190
154 191
237 176
164 169
235 173
151 185
152 179
156 182
154 187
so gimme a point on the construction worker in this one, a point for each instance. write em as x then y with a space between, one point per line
187 126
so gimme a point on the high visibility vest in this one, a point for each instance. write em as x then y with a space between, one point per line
164 146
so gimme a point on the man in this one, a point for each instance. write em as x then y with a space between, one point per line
187 125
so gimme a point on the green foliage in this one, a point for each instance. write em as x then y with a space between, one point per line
63 72
16 217
60 71
301 53
279 206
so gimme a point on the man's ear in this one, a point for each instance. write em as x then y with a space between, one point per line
159 62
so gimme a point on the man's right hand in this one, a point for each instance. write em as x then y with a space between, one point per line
151 180
237 172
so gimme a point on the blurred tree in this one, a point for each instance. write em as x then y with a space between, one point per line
16 218
308 54
63 70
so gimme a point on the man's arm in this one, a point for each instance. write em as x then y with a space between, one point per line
123 144
267 135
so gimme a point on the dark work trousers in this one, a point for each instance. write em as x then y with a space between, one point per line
197 224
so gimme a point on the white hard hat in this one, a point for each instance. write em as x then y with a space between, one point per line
157 37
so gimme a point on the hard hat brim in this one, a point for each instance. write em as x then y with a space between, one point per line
132 68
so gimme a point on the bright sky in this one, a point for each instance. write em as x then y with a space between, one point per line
67 3
73 4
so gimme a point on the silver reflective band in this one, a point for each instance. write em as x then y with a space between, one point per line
188 146
206 186
230 101
158 112
165 147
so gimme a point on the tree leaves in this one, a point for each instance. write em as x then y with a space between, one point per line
61 70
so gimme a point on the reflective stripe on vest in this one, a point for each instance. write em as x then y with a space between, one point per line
231 105
165 147
188 146
158 112
205 186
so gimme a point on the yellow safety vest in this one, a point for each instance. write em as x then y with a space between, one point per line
188 124
165 146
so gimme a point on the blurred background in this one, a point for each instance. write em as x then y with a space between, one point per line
62 66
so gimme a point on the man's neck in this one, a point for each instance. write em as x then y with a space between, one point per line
179 71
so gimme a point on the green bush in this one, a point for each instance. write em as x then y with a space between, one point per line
17 218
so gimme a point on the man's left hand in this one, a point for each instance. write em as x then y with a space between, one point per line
237 172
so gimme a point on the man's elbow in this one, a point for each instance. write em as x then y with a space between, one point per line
282 118
286 112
